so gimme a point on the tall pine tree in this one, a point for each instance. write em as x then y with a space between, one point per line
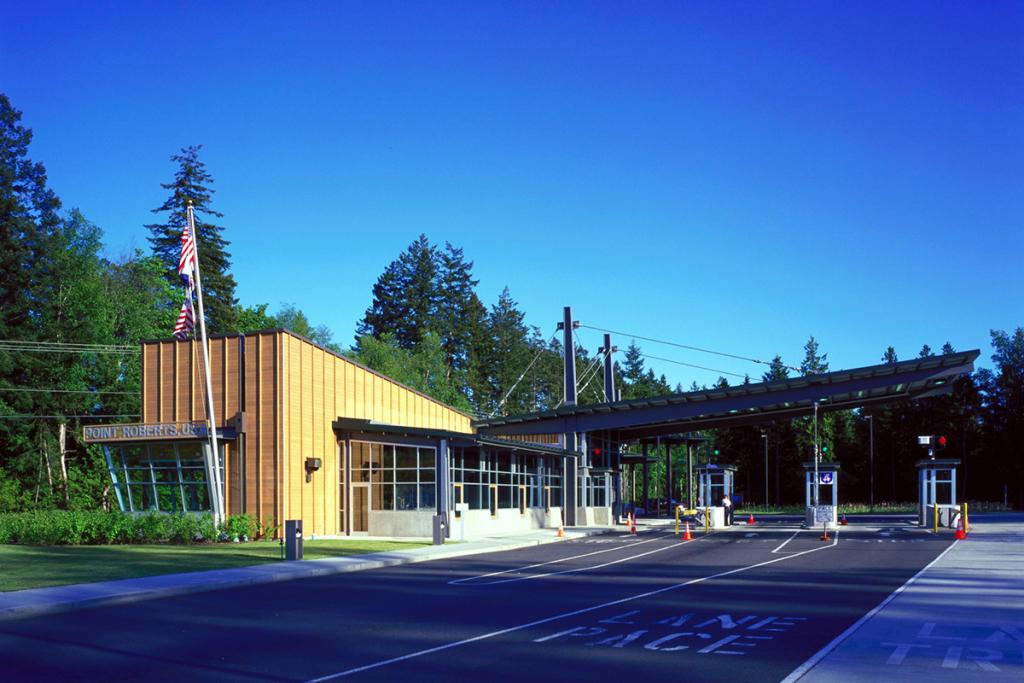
192 183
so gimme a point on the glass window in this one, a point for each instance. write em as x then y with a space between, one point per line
427 497
405 496
405 457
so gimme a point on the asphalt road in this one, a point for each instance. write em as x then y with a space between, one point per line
741 605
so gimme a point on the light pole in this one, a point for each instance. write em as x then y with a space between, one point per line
871 452
764 435
815 454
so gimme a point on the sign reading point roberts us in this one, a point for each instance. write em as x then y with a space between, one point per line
145 432
824 513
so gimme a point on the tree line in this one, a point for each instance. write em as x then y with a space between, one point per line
72 319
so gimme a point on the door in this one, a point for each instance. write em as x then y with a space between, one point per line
360 507
459 499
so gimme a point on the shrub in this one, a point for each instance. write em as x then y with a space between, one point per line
206 530
152 527
240 526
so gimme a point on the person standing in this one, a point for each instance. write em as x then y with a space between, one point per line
727 504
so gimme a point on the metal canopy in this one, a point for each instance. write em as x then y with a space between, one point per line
746 403
356 427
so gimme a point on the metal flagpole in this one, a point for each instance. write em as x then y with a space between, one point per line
218 497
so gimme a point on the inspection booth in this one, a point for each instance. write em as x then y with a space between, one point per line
936 489
714 482
824 511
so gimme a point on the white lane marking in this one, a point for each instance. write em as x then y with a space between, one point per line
589 567
454 582
786 541
802 670
548 620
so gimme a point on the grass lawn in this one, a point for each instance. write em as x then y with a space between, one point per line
27 566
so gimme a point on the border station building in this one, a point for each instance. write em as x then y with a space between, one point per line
305 433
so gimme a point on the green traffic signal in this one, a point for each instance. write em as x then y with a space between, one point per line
716 451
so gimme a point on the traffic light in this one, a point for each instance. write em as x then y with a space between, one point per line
824 449
717 451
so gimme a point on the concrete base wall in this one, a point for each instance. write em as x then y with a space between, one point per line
479 523
400 523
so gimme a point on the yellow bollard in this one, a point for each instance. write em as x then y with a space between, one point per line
966 525
677 520
936 507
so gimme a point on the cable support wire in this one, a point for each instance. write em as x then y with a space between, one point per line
536 356
599 361
690 348
699 367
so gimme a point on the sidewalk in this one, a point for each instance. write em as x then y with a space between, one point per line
38 601
960 620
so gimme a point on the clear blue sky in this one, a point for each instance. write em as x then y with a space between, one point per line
737 176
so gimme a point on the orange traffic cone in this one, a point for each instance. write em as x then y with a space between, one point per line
824 535
960 533
561 532
687 536
632 525
751 520
843 522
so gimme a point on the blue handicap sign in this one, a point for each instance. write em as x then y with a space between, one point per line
826 477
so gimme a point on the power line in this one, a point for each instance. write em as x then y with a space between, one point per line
691 365
61 417
685 346
69 391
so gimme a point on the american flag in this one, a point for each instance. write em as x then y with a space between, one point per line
187 261
186 268
186 318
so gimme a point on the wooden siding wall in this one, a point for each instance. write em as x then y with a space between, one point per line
320 387
293 392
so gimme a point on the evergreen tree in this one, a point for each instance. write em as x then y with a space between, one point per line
890 355
405 297
776 370
192 183
813 362
460 314
509 356
925 352
30 228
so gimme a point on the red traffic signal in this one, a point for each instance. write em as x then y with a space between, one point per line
597 451
941 442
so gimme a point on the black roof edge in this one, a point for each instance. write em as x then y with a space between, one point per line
348 424
940 361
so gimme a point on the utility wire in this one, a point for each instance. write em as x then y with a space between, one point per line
37 342
685 346
70 391
59 417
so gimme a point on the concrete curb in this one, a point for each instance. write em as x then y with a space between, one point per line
41 601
